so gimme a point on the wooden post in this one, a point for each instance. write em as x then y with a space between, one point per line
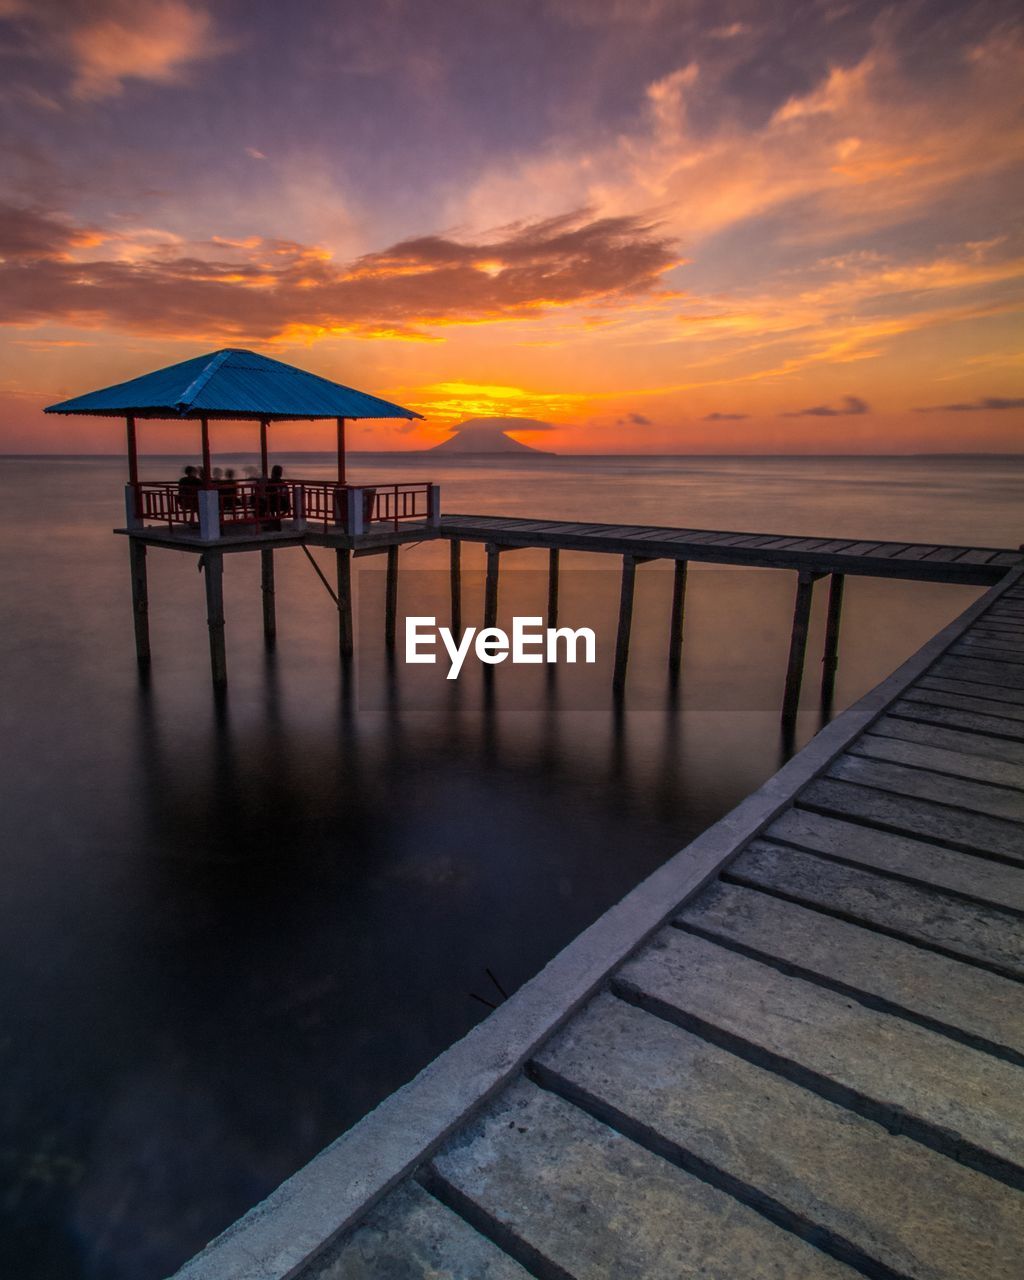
675 630
140 599
491 586
213 573
456 586
830 658
798 645
343 558
553 587
264 455
625 622
133 452
341 451
267 585
391 598
207 469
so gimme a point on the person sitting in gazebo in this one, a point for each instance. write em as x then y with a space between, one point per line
188 494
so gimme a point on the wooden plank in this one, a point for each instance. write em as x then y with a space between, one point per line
951 1097
969 931
944 554
975 557
589 1204
950 996
859 548
922 784
916 552
830 548
990 653
973 689
1007 558
896 1203
888 550
410 1234
941 760
957 712
951 739
954 828
902 857
978 671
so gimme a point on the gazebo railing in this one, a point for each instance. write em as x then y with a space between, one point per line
257 502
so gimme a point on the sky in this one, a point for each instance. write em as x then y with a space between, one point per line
648 226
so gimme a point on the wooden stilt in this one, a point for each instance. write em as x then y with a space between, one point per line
830 658
140 599
491 587
343 558
267 585
553 587
625 622
213 574
456 586
675 631
798 645
391 598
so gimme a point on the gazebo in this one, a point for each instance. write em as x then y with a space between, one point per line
213 514
239 385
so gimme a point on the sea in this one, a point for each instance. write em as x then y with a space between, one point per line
230 927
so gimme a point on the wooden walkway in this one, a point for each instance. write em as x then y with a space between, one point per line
796 1051
978 566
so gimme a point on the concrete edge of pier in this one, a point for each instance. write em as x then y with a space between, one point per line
341 1184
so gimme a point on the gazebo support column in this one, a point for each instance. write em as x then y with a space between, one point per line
133 452
341 451
140 599
264 457
205 430
456 586
343 559
213 573
391 598
267 586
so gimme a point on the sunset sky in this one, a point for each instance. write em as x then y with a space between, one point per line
657 225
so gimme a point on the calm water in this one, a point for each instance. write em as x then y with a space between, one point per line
225 934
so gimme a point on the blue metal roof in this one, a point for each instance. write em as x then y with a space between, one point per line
231 384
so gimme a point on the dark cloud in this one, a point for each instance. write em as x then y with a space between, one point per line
634 420
725 417
849 406
260 289
975 406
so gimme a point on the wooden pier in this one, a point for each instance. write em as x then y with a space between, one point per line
809 559
796 1050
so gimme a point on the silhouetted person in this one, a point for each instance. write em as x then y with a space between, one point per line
278 500
188 493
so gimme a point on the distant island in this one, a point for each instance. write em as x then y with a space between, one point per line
490 435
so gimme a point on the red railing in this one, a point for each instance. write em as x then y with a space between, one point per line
259 502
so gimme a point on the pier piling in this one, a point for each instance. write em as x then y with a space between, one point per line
798 644
343 559
267 588
629 564
830 658
213 575
553 587
391 598
456 586
140 599
675 630
491 586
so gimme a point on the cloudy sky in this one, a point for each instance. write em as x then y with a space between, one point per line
660 225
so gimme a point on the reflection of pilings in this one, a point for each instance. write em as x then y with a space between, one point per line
625 621
491 587
798 644
553 587
213 574
343 558
267 587
456 586
675 631
140 599
391 598
830 658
